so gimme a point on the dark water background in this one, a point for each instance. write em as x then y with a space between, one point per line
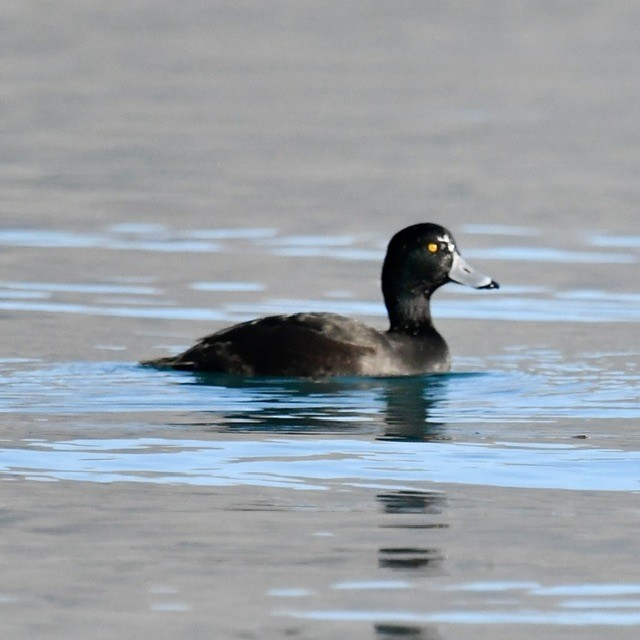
168 169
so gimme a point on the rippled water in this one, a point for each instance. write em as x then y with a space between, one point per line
317 464
532 388
527 418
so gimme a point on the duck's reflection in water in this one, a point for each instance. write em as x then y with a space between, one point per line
411 509
404 632
390 408
421 506
407 501
407 407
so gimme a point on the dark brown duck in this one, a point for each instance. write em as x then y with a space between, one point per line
419 260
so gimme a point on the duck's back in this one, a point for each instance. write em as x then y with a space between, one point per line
304 344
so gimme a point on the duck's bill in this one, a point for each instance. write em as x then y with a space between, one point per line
462 273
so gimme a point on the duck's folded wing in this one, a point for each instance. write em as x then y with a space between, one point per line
311 345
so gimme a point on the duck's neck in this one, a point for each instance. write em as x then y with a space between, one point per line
410 313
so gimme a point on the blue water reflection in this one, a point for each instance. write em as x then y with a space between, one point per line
392 432
522 387
317 464
396 408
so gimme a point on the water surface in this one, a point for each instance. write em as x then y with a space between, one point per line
166 173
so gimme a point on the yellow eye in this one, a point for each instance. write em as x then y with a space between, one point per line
432 247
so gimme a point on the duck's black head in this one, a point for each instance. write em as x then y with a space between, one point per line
419 259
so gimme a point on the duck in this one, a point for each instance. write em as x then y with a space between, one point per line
419 260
